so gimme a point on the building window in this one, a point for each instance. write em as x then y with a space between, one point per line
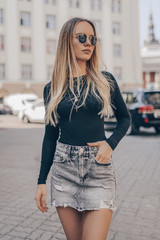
119 6
77 3
46 1
54 2
2 71
113 5
25 44
70 3
118 73
98 26
49 72
51 46
1 16
51 22
26 72
25 19
99 5
92 4
116 28
1 42
117 50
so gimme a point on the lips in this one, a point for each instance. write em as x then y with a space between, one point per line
87 51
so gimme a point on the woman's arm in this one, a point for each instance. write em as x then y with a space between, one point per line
121 113
49 142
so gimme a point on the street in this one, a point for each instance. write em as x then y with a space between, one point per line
137 167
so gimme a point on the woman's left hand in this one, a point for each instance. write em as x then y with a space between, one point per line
104 151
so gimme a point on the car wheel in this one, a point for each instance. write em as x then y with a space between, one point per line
25 119
157 129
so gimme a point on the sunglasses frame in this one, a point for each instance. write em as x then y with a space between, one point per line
82 37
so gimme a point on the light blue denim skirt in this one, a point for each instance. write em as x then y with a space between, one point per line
79 181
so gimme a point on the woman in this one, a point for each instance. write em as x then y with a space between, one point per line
83 181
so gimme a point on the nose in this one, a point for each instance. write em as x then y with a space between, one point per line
88 42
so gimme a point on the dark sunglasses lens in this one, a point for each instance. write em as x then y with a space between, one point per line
82 38
93 40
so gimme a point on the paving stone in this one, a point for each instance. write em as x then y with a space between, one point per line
137 167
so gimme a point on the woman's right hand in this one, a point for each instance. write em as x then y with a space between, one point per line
40 197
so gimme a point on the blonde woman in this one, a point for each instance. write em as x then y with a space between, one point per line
83 181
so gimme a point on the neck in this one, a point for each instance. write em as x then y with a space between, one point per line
82 69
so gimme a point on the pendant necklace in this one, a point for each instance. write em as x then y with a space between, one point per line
76 100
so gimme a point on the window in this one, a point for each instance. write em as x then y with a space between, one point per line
25 19
92 4
51 22
119 6
117 50
118 73
49 72
54 2
2 71
77 3
25 44
99 5
1 42
116 28
98 26
70 3
113 5
1 16
26 72
51 46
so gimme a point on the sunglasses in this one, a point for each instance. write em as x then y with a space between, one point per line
83 37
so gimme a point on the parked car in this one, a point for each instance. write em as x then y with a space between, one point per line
17 102
4 109
34 113
144 107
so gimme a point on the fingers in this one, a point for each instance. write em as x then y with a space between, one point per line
41 202
96 144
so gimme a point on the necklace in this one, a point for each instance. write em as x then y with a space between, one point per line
76 100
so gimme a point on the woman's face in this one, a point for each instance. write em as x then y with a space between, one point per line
83 51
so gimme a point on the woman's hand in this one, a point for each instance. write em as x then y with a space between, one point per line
104 151
41 197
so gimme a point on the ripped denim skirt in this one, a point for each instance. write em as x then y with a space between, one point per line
79 181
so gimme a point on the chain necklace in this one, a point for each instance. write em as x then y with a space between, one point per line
76 100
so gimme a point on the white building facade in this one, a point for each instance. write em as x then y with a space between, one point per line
29 31
151 59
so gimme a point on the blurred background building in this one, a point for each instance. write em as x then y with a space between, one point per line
151 59
29 31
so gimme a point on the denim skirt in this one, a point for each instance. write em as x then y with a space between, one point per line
79 181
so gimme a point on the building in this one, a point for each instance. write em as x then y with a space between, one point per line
151 59
29 31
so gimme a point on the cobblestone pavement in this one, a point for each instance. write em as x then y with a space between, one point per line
137 166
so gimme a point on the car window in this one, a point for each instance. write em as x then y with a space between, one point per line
129 97
152 98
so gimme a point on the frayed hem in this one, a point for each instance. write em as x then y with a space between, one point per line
53 204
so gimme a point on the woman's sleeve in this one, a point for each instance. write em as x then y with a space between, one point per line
49 143
121 113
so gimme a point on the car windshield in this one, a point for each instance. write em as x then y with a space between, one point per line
152 98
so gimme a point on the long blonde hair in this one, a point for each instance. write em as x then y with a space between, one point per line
65 60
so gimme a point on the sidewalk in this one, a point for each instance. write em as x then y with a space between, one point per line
137 167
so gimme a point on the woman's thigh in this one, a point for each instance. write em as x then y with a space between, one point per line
71 220
96 224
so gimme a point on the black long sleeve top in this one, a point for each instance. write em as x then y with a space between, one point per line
85 125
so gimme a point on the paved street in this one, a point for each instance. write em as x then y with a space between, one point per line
137 165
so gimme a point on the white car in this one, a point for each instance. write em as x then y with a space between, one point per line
18 102
34 113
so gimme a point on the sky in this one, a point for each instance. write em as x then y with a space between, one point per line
144 9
